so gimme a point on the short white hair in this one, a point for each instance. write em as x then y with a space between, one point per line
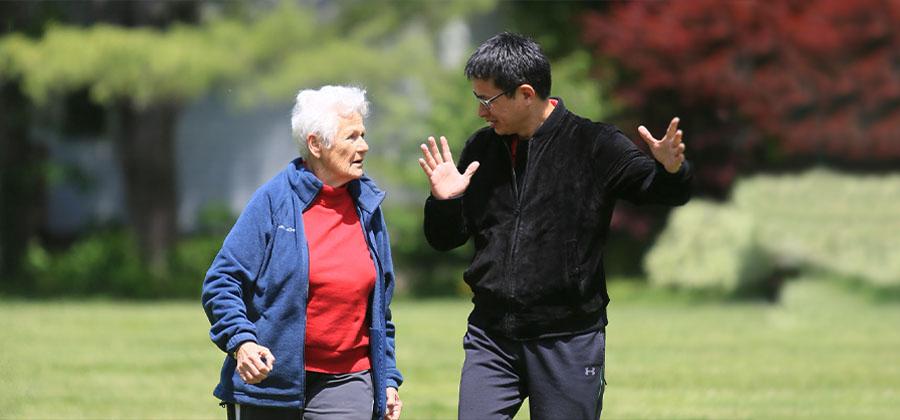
318 111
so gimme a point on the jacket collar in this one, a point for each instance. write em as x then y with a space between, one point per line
306 185
552 122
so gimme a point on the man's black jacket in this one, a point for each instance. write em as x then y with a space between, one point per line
538 264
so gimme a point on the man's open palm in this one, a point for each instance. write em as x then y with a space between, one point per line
446 181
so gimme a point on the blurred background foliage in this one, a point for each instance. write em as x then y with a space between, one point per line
819 221
763 92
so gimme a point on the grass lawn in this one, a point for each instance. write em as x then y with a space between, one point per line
822 352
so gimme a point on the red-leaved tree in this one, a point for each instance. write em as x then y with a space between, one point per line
760 85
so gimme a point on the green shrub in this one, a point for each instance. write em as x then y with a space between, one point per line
843 224
819 221
711 248
190 261
108 264
105 263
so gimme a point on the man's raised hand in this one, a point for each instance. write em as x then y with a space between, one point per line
446 181
670 150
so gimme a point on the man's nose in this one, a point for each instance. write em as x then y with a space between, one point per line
483 111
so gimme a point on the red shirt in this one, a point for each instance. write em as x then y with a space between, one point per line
341 277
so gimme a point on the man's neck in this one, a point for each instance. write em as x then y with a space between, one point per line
540 114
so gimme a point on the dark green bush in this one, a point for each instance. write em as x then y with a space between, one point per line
190 260
108 264
105 263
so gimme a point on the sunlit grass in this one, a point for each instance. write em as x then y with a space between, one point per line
822 352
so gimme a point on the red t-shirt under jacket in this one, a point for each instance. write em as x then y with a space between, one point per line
341 277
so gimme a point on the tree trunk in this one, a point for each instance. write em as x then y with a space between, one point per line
21 183
145 140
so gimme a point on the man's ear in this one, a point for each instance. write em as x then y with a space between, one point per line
528 91
315 145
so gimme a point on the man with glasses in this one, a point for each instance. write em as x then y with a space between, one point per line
535 191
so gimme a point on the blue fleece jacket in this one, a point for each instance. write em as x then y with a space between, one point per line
257 289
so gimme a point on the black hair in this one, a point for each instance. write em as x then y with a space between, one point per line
511 60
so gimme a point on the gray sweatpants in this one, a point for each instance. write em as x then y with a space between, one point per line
342 396
562 377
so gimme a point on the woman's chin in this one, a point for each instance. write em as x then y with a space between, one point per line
355 174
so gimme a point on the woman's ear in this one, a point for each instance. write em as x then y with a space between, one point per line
315 145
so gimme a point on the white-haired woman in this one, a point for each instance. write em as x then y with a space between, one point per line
299 295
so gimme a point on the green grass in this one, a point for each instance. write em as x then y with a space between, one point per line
822 352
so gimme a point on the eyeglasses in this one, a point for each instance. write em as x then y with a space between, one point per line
486 103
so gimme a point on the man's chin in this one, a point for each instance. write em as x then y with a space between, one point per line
500 130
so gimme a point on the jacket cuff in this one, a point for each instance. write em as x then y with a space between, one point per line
684 172
392 383
237 339
447 207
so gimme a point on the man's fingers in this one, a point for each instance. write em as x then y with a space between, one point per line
470 170
677 140
448 157
435 153
425 167
645 134
673 127
427 158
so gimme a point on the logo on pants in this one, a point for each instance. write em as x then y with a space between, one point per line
590 370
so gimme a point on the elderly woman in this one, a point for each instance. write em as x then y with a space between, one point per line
299 295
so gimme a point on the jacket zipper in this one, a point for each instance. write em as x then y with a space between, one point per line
507 325
378 290
303 339
379 270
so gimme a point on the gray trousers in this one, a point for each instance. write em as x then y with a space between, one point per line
342 396
562 377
